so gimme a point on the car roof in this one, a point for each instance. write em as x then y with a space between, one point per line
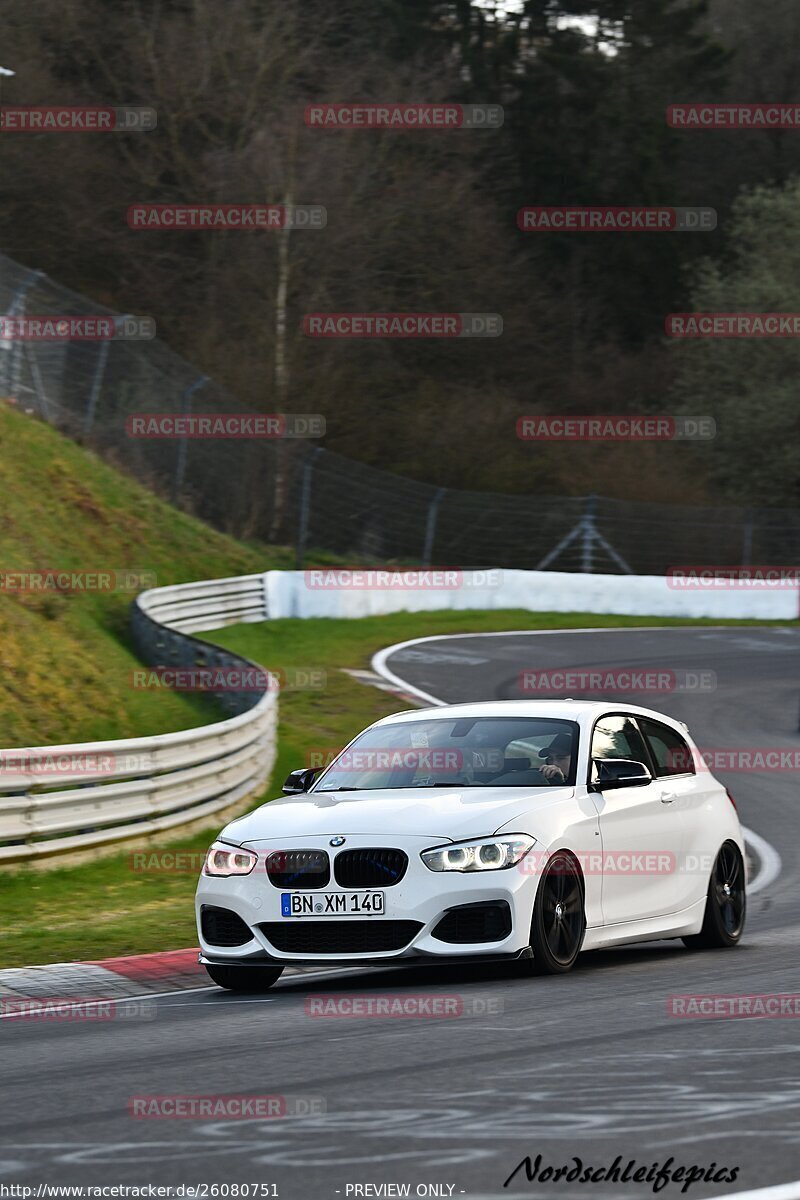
583 711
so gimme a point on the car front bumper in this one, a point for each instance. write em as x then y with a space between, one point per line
422 896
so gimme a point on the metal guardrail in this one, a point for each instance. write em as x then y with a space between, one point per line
56 800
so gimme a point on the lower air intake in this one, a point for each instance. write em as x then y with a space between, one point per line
339 937
221 927
472 923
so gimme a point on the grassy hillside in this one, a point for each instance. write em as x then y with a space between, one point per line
64 657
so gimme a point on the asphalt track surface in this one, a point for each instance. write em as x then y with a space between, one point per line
588 1065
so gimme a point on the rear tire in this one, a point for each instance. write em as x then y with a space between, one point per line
726 903
559 917
244 979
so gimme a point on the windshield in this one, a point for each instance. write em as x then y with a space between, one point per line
458 752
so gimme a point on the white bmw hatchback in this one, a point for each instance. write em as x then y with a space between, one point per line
527 830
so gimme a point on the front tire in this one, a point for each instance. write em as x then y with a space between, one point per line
244 979
559 917
726 903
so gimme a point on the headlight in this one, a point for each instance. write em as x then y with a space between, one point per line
229 860
488 854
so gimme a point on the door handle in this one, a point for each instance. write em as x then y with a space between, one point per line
667 797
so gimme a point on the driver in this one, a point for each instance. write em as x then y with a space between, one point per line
558 758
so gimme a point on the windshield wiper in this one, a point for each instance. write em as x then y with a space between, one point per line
346 789
448 785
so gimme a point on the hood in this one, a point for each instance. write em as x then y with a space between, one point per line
448 814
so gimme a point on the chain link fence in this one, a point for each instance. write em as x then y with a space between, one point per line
331 505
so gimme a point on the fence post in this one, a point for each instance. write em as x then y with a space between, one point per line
12 380
589 534
430 526
36 375
747 538
305 508
97 383
183 445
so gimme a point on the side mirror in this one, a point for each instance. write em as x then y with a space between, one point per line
620 773
299 781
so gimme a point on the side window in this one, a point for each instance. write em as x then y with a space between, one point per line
617 737
672 755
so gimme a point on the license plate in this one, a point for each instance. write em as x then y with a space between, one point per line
332 904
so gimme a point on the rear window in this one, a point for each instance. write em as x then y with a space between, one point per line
670 752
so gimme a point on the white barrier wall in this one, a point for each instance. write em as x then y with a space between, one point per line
339 592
